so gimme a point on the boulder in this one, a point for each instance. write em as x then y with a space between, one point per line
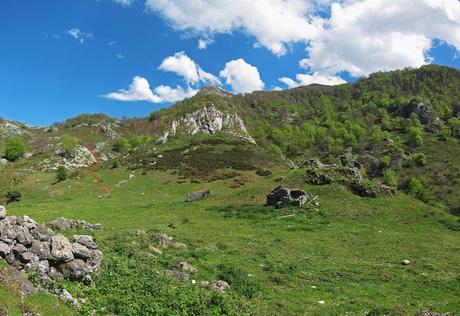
164 240
41 249
41 267
61 248
198 195
65 224
85 240
187 267
80 251
75 270
5 249
220 286
27 257
283 197
19 248
23 236
2 212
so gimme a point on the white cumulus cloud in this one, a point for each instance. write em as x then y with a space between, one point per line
185 67
79 35
306 79
139 90
364 36
241 76
274 23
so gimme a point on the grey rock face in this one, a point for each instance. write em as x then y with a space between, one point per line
61 249
283 197
27 257
208 120
198 195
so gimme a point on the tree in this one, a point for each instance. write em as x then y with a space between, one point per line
15 148
61 173
415 136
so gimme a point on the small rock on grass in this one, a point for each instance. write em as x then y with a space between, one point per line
405 262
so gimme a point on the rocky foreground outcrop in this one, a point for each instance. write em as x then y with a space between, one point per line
31 247
208 119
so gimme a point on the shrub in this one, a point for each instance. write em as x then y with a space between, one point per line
417 190
15 148
121 145
390 178
61 173
415 136
13 196
419 159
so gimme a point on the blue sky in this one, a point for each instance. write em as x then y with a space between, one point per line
62 58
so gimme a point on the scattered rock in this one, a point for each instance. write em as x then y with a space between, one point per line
220 286
187 267
198 195
282 197
66 297
181 276
155 250
164 240
428 312
405 262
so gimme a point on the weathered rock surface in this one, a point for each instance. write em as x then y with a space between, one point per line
2 212
428 312
65 224
220 286
181 276
426 114
16 279
283 197
164 240
208 120
31 247
198 195
187 267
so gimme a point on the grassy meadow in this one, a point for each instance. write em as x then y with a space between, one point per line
344 259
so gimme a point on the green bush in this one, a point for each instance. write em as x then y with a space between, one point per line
61 173
415 136
13 196
121 145
390 178
419 159
15 148
69 144
417 190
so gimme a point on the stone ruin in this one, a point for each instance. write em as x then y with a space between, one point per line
198 195
30 247
283 197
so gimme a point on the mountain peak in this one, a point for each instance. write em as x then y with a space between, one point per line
213 90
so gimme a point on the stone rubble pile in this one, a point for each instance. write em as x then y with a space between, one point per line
283 197
65 224
31 247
